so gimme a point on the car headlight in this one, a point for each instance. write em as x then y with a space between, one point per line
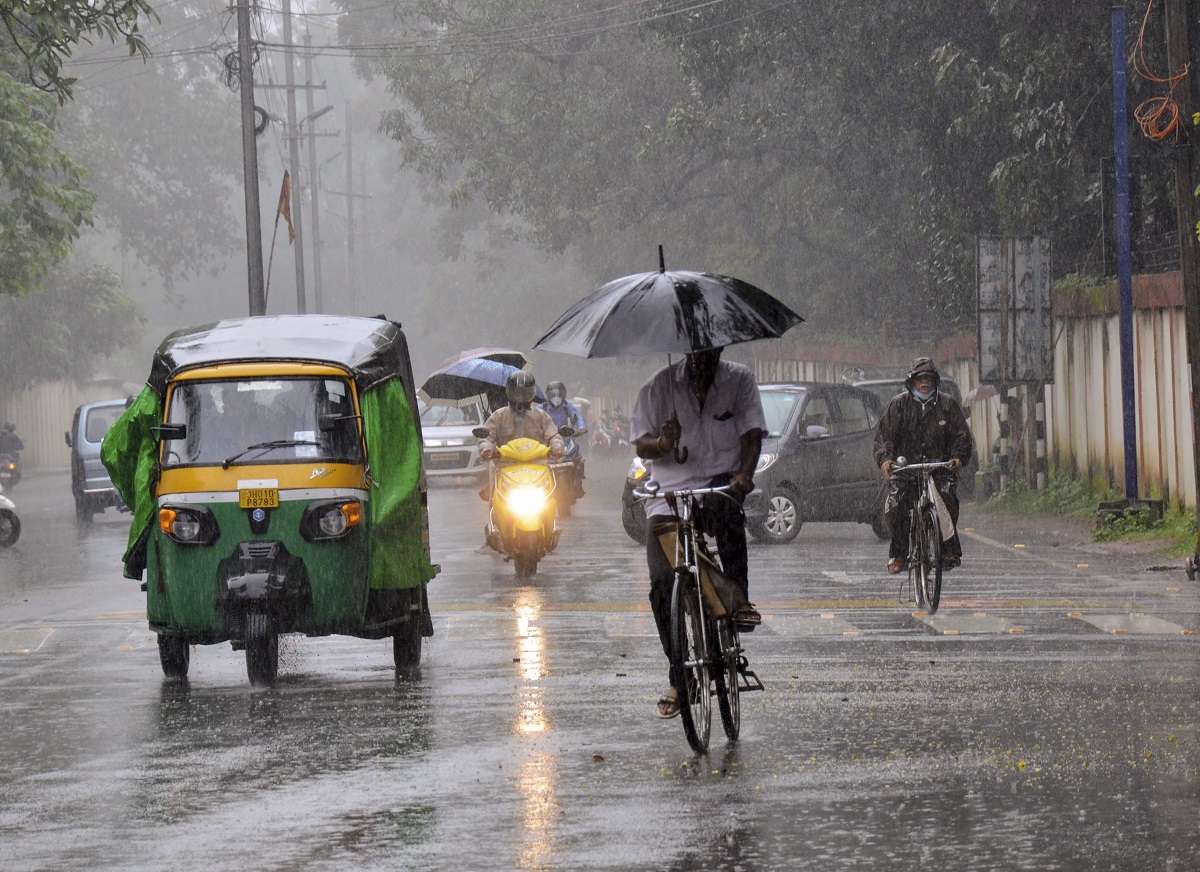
765 461
188 526
330 520
526 502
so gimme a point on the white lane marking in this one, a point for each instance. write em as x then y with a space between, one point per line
26 641
1132 624
837 575
806 624
630 626
959 623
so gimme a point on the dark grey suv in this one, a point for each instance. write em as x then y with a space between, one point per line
817 462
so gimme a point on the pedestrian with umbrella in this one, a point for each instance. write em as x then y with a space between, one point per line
700 420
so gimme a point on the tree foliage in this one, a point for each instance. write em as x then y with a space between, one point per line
79 317
44 33
43 204
844 155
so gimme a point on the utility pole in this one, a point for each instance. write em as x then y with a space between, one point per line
1124 247
254 258
1178 58
313 178
351 288
294 153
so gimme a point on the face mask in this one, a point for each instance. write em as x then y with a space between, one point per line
556 401
923 396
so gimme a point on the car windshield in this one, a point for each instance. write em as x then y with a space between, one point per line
450 416
777 406
224 418
99 420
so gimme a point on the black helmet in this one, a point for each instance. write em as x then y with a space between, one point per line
923 366
520 389
556 389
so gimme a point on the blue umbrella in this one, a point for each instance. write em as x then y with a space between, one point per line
464 382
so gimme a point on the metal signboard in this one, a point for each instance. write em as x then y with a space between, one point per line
1015 322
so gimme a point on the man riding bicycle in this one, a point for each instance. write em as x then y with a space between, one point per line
701 422
923 425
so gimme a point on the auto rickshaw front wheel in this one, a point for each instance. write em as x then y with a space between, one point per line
175 655
406 645
262 649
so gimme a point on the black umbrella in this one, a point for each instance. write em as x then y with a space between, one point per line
672 312
665 312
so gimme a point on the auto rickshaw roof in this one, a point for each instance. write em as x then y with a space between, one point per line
373 349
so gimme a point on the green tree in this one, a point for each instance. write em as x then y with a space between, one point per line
43 204
79 317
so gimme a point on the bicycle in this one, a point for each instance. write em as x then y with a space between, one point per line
924 534
707 658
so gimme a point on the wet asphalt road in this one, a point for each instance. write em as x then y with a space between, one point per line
1047 719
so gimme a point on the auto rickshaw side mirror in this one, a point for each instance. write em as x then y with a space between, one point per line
567 432
169 432
481 433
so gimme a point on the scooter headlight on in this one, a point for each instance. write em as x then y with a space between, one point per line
526 502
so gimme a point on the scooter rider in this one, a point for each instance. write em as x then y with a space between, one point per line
922 425
564 413
520 418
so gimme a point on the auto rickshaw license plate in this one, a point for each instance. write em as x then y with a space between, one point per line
259 498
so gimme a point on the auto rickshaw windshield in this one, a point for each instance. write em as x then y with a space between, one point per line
226 417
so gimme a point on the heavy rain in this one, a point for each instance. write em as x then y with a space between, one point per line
599 434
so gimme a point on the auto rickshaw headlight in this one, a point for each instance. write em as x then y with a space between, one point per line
331 520
188 526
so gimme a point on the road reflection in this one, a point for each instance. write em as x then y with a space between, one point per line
538 775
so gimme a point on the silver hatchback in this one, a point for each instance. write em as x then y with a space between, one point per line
450 447
90 485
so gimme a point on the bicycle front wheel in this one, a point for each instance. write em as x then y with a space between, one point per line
726 678
931 560
689 659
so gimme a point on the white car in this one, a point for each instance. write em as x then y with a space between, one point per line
450 447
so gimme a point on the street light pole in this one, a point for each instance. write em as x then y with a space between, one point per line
294 153
254 256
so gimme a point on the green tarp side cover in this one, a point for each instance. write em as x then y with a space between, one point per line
399 538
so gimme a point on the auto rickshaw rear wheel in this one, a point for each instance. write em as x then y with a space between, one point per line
406 645
262 649
175 655
10 528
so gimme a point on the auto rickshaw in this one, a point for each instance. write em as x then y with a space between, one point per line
273 465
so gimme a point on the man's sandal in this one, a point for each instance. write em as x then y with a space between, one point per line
668 705
895 565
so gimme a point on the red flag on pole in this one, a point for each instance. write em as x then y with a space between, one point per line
285 205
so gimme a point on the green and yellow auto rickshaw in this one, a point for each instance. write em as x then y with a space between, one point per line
273 465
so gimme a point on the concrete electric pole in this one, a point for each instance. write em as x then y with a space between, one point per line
294 153
254 257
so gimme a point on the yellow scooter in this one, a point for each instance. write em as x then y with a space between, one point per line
523 521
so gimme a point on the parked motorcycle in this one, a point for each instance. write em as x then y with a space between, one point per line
10 470
523 523
10 524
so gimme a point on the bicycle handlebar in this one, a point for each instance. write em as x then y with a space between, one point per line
724 490
916 467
